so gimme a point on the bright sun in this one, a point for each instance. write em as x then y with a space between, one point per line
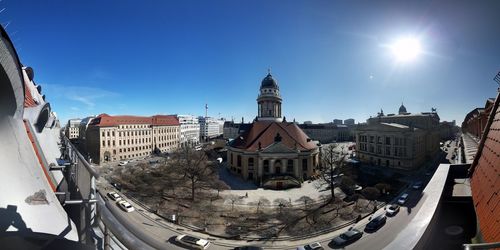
406 49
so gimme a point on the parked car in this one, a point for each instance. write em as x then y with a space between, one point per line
347 238
417 185
125 206
391 210
123 163
114 196
402 199
312 246
376 223
192 241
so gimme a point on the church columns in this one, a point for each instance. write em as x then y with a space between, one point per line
260 167
271 166
296 167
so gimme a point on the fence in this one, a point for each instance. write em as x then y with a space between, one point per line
90 208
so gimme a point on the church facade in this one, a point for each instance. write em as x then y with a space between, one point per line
272 152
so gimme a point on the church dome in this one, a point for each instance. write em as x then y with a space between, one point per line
402 109
269 82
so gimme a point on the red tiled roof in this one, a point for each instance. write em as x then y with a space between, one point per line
105 120
264 132
485 181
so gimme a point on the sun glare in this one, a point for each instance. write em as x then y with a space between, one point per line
406 49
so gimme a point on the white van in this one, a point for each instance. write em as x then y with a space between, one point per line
192 241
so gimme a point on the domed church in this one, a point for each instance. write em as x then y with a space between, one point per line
273 153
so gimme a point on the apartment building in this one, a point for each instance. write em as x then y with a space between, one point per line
112 138
189 130
72 129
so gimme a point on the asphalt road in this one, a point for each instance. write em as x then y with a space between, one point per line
394 225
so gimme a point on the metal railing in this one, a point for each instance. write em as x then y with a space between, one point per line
88 209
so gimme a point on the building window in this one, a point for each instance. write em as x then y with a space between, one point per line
238 160
388 141
304 164
289 166
266 166
387 150
250 162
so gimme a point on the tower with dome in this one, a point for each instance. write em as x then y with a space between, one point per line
272 152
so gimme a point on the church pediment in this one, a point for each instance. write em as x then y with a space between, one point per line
278 147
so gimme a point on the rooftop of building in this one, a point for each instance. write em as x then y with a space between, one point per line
262 134
105 120
485 182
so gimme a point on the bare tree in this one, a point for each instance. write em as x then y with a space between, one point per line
306 200
262 202
195 168
347 185
233 199
332 162
370 193
281 203
219 186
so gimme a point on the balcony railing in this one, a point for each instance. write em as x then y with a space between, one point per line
91 211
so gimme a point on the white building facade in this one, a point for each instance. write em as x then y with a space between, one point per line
210 127
189 130
72 128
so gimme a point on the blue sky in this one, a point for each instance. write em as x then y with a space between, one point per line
331 59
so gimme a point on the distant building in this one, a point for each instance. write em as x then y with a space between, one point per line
272 152
391 145
72 128
210 128
82 136
448 130
112 138
475 121
82 128
232 130
328 132
308 122
349 122
189 130
337 121
400 141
